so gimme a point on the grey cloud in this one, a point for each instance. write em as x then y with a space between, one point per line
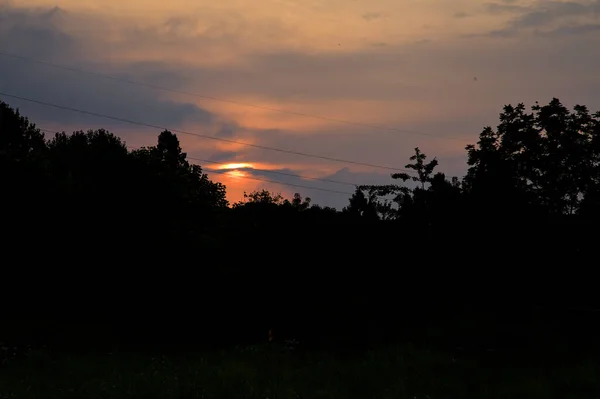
227 130
565 60
93 95
543 15
361 178
502 33
222 156
36 33
297 76
571 30
552 11
289 75
157 74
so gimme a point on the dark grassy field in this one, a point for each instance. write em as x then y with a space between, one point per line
271 371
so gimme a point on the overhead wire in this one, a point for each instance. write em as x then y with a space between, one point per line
212 98
218 171
204 136
223 100
65 67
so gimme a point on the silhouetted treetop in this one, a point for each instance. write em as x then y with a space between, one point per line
19 138
423 170
547 158
169 151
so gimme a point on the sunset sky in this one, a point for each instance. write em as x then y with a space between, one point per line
436 71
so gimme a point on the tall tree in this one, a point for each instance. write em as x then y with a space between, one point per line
542 159
169 150
20 140
23 178
424 170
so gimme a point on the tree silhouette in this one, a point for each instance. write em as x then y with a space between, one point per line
160 239
300 203
262 197
541 159
23 180
361 206
407 203
169 151
20 140
424 170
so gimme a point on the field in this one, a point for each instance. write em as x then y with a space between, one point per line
276 372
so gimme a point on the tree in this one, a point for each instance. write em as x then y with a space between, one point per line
96 159
23 179
169 150
183 205
424 170
299 203
90 187
264 197
20 140
567 156
545 159
361 206
405 201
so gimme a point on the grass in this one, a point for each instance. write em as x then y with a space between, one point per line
270 372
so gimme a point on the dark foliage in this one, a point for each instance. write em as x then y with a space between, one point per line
111 246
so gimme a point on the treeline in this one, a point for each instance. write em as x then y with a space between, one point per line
144 245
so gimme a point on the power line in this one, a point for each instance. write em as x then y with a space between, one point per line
204 136
258 170
266 180
276 172
207 97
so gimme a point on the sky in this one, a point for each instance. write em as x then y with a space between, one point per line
354 80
